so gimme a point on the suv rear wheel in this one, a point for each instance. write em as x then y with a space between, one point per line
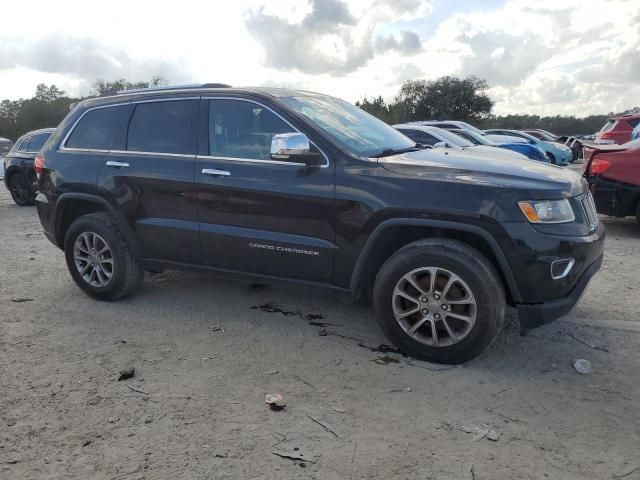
99 258
439 300
20 189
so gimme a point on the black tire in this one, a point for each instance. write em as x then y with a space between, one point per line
20 189
638 213
552 158
470 266
127 273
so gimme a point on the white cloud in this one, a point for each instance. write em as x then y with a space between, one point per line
542 56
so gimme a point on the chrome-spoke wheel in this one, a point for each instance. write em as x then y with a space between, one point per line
94 259
434 306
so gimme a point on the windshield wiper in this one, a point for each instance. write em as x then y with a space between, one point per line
387 152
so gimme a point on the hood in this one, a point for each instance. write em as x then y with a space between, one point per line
540 180
496 152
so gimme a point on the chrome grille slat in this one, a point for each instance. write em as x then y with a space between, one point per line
589 207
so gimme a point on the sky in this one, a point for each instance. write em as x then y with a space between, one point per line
548 57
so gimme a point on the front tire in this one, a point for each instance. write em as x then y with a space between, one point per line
20 189
439 300
99 258
552 159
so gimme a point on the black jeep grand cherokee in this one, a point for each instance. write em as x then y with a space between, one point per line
301 186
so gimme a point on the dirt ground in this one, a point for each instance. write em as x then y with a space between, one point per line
206 351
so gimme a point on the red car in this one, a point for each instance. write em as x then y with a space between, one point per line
613 173
618 130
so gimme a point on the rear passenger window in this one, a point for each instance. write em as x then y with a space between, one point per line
37 141
101 129
240 129
164 127
633 122
420 137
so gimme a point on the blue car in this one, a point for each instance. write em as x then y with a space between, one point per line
528 150
558 153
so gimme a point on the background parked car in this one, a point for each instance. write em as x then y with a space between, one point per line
613 172
435 137
20 177
5 146
530 151
618 129
558 154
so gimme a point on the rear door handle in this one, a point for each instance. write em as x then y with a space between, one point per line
111 163
214 172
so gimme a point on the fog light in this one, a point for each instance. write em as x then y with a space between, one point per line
561 268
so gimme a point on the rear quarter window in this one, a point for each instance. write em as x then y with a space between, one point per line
37 141
164 127
101 129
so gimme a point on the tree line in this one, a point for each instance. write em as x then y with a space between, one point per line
445 98
50 105
466 99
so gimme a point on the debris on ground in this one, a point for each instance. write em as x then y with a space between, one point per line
294 453
21 300
582 366
126 373
271 372
493 436
275 401
324 425
339 409
401 390
588 344
216 328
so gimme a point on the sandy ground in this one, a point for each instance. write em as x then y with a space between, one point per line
207 350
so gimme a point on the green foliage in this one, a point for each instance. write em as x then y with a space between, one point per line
50 105
451 98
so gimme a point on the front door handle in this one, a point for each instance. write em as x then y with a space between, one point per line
214 172
111 163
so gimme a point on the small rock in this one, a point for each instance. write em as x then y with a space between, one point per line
86 443
112 419
216 328
275 401
582 366
126 373
339 410
493 436
11 423
409 389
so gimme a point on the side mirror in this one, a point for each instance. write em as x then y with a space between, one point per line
294 148
440 145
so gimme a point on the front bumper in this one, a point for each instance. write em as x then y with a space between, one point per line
535 315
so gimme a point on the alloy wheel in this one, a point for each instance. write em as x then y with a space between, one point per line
93 259
434 306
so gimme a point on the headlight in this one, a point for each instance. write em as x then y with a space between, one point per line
547 211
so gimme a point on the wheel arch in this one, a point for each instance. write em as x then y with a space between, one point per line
391 235
70 206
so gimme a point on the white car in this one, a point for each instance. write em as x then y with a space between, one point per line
440 138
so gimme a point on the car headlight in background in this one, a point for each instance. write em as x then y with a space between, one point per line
547 211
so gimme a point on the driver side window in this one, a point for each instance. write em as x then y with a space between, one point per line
241 129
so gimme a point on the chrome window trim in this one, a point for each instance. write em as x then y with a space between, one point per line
137 152
260 160
249 160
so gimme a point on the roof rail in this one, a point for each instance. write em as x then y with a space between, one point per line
175 87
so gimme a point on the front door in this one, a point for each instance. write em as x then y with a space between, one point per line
258 215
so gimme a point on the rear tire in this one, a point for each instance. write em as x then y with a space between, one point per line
99 258
552 159
463 306
20 189
638 213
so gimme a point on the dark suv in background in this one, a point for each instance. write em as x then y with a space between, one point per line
19 174
299 186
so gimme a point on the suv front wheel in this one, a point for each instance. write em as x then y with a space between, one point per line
100 259
439 300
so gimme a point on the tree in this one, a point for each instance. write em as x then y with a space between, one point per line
376 107
105 87
47 94
447 97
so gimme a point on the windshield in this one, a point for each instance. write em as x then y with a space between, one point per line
477 138
451 137
471 127
349 126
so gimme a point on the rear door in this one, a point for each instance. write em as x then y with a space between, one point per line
258 215
149 173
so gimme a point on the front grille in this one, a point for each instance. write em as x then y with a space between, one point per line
590 212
